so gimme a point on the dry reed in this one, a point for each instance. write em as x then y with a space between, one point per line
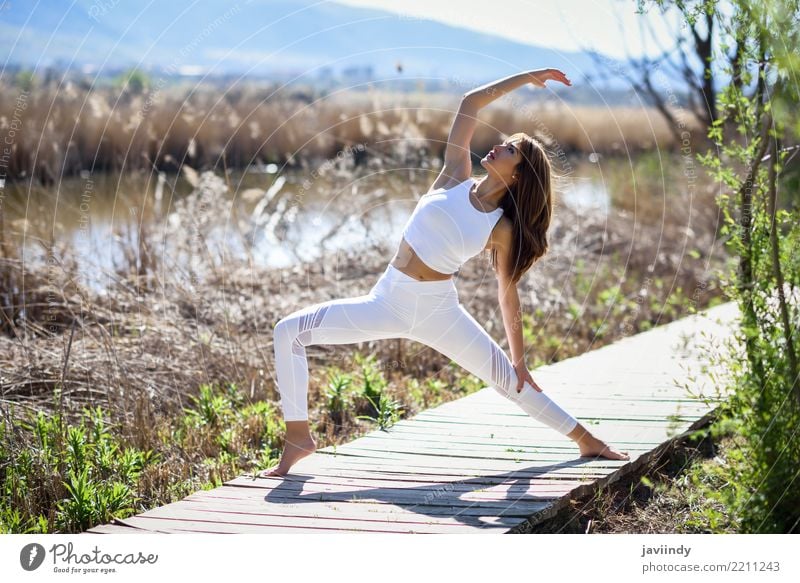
73 128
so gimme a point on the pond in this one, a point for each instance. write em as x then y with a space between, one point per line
100 216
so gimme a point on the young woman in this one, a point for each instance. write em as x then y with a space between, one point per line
507 212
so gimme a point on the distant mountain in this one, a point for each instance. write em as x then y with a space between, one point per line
302 38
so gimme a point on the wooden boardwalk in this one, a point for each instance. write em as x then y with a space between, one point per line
478 464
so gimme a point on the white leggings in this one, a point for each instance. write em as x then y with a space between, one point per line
399 306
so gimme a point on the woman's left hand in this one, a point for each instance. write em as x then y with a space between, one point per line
523 375
539 76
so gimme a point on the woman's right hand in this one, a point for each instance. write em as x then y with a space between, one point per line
541 75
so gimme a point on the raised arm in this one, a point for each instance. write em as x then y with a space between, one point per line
457 165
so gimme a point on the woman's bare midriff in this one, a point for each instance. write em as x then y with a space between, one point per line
407 261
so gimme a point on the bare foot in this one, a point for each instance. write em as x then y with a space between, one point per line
293 451
593 447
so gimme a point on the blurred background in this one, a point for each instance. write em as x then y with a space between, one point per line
120 98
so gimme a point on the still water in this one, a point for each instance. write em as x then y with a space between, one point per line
99 217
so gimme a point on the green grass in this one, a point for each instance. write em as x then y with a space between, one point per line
62 475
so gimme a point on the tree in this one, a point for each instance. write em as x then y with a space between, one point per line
704 49
755 132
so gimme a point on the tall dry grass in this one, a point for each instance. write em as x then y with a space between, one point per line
63 130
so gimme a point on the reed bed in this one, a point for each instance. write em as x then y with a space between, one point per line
62 130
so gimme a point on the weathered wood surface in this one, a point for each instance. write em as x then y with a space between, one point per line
479 464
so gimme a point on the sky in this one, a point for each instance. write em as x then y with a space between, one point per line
611 27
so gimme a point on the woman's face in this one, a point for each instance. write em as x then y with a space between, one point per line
502 160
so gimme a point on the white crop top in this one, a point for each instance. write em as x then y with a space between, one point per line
445 230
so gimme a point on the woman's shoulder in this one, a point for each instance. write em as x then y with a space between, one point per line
445 182
504 226
501 235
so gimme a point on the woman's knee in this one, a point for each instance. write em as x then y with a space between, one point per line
301 320
282 331
287 334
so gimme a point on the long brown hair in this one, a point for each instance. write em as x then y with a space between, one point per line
529 205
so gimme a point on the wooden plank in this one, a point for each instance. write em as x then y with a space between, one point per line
523 422
423 506
545 438
664 416
573 380
477 466
178 526
368 475
488 444
369 478
443 439
486 439
363 512
132 523
490 505
364 477
451 450
481 448
114 529
499 494
562 448
158 525
592 403
412 474
582 404
388 490
460 463
531 452
214 521
613 392
237 495
587 406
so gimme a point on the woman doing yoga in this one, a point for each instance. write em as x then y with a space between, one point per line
507 212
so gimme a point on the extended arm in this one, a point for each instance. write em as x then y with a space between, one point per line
512 320
508 298
507 294
457 164
482 96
